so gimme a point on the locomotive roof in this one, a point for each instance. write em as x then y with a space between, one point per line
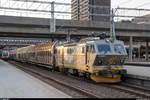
89 40
85 40
70 44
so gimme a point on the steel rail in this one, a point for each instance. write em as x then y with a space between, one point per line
121 88
83 92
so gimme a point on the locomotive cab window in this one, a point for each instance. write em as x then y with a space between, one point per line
103 48
90 48
83 49
93 48
119 49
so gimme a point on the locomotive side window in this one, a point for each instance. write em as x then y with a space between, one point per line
89 48
103 48
93 49
70 50
56 51
83 50
119 49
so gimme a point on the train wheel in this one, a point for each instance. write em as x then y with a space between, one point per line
123 78
57 69
65 71
88 76
75 72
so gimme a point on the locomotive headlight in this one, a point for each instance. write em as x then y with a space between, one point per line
122 61
100 62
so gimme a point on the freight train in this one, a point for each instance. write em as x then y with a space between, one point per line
97 58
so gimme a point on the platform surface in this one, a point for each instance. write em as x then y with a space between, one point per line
15 83
138 70
138 63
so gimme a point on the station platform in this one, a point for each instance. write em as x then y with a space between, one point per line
15 83
138 72
138 76
138 63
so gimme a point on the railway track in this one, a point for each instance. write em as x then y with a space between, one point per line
132 92
83 92
124 87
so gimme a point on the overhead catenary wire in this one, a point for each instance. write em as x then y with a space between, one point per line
147 3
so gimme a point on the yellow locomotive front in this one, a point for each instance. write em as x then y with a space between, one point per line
107 62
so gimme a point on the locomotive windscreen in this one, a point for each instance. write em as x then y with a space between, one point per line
103 49
119 49
111 48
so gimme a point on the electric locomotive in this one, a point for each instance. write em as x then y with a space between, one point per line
97 58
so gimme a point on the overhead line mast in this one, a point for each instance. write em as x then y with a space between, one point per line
112 25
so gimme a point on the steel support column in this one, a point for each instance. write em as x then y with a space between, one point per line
131 49
52 20
147 50
139 52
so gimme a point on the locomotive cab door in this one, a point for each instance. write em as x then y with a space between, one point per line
87 56
63 57
90 54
